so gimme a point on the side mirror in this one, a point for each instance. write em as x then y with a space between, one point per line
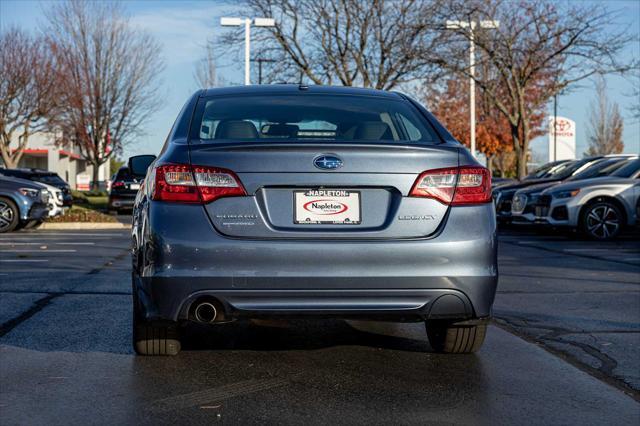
139 164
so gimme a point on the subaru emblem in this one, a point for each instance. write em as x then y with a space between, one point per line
327 162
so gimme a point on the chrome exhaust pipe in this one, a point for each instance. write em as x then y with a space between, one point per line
206 312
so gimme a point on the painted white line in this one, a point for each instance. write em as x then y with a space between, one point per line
586 250
533 241
40 251
24 260
45 243
65 234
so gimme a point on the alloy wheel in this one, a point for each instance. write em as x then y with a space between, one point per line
603 221
6 215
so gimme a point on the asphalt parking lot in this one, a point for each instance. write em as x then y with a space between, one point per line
564 348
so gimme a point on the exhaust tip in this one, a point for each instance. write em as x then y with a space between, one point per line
206 312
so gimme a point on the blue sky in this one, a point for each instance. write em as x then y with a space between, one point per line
183 27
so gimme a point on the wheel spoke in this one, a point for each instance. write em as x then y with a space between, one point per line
594 226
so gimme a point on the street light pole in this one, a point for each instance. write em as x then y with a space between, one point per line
247 51
472 70
247 22
555 127
472 88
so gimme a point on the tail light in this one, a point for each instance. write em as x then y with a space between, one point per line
455 186
118 184
194 184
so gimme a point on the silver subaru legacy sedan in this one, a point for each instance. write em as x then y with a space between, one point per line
296 201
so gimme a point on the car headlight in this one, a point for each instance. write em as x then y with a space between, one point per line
29 192
566 194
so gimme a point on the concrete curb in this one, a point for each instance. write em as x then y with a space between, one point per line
83 225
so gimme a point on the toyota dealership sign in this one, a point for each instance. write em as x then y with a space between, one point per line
562 139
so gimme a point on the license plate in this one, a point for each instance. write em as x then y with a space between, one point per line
134 186
326 207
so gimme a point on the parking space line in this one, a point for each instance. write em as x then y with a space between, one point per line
63 234
587 250
36 244
42 250
24 260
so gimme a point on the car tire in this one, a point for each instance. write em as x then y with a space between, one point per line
446 337
9 215
602 220
153 338
33 224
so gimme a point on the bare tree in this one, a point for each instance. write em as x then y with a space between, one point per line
108 76
635 94
27 92
206 74
376 43
605 125
539 49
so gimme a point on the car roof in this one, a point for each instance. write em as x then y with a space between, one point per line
31 171
297 89
22 182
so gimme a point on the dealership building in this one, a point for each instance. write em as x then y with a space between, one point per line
43 153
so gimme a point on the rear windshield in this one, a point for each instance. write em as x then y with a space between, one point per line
123 174
309 118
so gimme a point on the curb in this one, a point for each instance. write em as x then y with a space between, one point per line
83 225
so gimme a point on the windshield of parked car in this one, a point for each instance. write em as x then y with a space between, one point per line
310 118
48 179
542 170
564 170
630 169
598 168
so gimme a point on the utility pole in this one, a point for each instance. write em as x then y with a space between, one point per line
260 61
471 25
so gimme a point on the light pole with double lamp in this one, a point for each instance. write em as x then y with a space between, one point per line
247 22
471 25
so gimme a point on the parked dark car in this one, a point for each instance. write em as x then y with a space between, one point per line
124 188
286 200
503 195
21 201
525 199
499 181
43 176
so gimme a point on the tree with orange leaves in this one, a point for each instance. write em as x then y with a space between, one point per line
450 103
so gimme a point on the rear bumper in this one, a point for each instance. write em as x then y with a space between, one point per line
453 274
116 202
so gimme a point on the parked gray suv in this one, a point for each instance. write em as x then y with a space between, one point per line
21 201
288 201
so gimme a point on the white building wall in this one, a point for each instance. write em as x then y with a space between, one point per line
55 160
